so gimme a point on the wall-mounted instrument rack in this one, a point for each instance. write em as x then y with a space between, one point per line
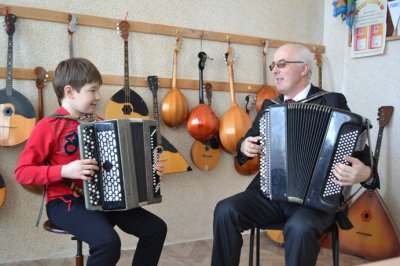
149 28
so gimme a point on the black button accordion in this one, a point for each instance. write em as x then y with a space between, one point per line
302 142
127 152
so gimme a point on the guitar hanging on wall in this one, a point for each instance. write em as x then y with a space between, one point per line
170 158
17 115
373 236
126 103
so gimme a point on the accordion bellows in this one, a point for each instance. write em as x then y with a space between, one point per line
126 150
302 142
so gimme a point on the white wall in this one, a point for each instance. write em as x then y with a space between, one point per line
368 83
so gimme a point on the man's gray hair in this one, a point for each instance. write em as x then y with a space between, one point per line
304 54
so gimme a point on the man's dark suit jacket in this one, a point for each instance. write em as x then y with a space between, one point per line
332 99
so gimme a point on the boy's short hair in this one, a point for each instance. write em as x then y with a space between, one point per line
75 72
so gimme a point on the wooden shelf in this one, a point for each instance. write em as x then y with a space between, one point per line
142 27
29 74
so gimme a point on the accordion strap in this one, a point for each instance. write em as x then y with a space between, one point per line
81 118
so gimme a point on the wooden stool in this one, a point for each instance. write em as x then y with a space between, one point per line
48 226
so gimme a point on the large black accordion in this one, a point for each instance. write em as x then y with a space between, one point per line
302 142
126 150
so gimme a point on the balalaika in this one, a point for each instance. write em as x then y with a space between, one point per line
302 142
126 151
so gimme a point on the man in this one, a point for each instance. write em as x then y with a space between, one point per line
303 226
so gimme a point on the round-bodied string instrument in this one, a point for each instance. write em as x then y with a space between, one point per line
174 106
235 121
266 91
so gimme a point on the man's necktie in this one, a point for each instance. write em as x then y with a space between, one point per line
290 101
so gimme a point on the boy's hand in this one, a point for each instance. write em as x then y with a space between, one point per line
160 170
80 169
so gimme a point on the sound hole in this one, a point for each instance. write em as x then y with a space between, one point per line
366 215
8 111
127 109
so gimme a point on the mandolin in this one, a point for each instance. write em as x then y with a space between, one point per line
373 236
170 158
252 165
174 106
17 115
126 103
266 91
205 155
41 78
202 123
235 122
2 191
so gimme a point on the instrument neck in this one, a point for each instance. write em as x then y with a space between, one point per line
9 76
174 70
126 71
264 59
201 94
157 118
71 46
378 146
231 86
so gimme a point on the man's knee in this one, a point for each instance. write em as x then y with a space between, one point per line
300 229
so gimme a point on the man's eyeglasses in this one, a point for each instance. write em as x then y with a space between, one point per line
282 63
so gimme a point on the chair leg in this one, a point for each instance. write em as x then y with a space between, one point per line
79 254
251 247
258 247
335 245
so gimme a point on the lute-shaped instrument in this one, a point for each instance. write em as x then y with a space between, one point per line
174 106
266 91
252 165
202 123
205 155
235 122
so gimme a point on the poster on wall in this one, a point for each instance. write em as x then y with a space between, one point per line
369 28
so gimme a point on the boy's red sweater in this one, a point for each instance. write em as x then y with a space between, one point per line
52 144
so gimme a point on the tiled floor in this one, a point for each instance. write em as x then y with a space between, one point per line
198 253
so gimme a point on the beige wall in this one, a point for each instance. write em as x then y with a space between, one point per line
188 198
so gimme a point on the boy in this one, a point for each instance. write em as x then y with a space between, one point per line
51 157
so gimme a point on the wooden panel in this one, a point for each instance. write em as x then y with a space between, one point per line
29 74
103 22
